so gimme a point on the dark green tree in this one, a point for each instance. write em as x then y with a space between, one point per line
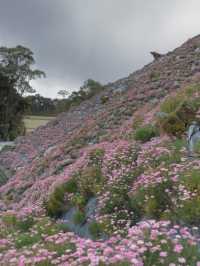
16 64
12 107
63 93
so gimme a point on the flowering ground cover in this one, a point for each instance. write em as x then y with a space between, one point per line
128 155
147 205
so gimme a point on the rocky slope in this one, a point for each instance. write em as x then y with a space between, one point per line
97 149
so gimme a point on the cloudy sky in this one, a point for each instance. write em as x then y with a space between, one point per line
74 40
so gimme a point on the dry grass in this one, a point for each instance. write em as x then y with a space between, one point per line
32 122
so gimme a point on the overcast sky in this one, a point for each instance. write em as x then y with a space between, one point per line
74 40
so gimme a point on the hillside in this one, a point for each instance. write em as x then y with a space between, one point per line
119 166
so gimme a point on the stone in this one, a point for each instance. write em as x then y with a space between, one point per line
67 162
197 50
193 138
161 115
156 55
74 154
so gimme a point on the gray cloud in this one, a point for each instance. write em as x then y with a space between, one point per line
102 39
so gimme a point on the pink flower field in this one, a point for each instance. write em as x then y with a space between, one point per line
124 154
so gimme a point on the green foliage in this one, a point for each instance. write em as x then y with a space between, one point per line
104 99
173 156
3 178
63 227
154 76
83 185
40 106
197 147
57 204
189 213
60 249
119 203
89 89
25 224
180 111
151 202
79 217
44 263
96 157
79 201
10 220
192 89
26 240
12 108
138 120
190 253
16 129
145 133
191 180
89 181
157 201
70 186
63 93
187 110
172 125
95 229
16 64
47 227
171 104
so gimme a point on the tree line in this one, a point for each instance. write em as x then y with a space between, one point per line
39 105
16 72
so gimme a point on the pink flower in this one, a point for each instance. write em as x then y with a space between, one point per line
178 248
21 261
163 254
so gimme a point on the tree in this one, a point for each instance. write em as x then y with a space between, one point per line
39 105
16 64
63 93
91 86
12 107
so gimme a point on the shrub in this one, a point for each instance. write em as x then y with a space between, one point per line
145 133
194 88
79 201
60 249
154 76
25 224
89 181
186 112
70 186
189 213
57 203
172 125
26 240
138 120
96 157
152 201
104 99
180 111
79 217
191 180
10 220
171 104
63 227
95 229
197 147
